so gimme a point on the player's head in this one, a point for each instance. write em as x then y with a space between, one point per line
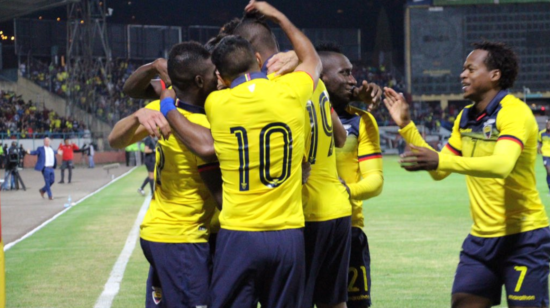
67 140
490 66
254 29
336 73
234 56
229 27
47 141
191 70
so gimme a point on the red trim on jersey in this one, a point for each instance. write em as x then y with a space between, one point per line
211 166
511 138
370 156
453 149
162 84
313 80
481 116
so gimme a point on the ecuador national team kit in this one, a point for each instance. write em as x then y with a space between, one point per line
175 229
510 240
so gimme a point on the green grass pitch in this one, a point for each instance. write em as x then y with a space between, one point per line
415 230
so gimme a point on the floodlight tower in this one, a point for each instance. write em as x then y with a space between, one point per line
88 55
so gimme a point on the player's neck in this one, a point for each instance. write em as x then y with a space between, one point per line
481 104
190 97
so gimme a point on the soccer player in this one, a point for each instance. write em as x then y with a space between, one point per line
494 143
544 149
259 132
175 230
359 163
67 150
149 164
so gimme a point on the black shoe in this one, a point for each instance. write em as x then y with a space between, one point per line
61 182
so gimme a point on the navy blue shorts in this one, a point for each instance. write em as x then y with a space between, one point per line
251 267
519 262
359 271
178 275
546 160
327 258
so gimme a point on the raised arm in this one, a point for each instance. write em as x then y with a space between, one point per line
137 126
198 139
140 84
310 61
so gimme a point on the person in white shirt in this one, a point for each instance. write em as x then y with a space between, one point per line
46 164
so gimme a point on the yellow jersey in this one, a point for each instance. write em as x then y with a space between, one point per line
362 144
544 140
323 196
258 126
499 206
182 207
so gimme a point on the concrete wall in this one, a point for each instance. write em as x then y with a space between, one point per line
79 159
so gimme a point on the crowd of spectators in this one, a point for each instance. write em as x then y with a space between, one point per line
106 101
24 119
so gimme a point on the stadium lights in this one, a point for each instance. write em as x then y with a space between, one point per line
58 18
13 38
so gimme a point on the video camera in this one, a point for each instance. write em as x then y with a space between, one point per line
12 158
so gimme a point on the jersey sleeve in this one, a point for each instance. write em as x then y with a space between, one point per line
154 105
512 124
369 139
370 160
300 84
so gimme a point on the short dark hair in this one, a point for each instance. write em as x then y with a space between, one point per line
255 29
233 56
185 61
213 42
503 58
230 26
328 47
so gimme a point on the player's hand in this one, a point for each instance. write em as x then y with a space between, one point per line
59 152
282 63
221 84
154 122
161 66
397 106
263 8
419 158
368 93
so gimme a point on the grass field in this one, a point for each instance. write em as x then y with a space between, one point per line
415 229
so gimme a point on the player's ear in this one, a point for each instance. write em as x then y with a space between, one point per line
259 59
495 75
199 81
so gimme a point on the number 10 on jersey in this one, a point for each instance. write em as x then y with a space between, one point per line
265 155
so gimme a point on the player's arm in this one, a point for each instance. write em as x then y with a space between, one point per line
140 84
309 59
370 161
211 176
137 126
147 150
399 111
539 143
338 130
198 139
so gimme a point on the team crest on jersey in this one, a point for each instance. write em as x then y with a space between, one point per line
488 128
157 295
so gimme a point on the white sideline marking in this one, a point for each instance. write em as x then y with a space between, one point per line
10 245
112 286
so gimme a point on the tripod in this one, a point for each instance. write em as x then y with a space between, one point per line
13 172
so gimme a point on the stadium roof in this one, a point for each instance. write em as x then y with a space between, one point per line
10 9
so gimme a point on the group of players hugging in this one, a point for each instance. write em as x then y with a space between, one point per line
262 167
